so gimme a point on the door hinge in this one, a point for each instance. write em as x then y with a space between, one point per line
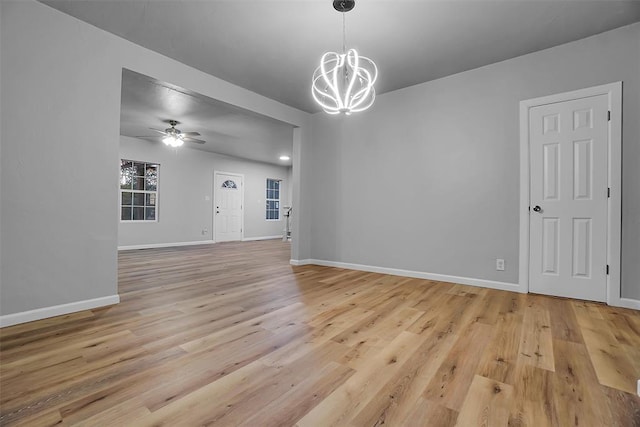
609 115
607 268
608 192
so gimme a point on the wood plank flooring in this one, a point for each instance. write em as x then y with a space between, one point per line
231 334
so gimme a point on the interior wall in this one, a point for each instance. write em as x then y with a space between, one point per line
425 180
289 196
60 84
185 198
57 242
1 133
428 179
301 193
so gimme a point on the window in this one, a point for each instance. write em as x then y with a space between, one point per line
273 199
229 184
138 191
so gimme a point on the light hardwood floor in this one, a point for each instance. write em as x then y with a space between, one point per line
230 334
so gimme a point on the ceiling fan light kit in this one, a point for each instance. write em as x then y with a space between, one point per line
343 83
173 141
175 137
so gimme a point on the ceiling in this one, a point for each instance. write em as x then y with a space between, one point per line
272 47
148 103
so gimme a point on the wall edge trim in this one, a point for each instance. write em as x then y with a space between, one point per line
628 303
251 239
165 245
483 283
56 310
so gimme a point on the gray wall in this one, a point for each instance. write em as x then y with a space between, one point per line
60 84
301 178
57 242
398 182
428 179
186 181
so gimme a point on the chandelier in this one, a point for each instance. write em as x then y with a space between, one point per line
343 83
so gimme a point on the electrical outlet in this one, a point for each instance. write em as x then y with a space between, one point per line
499 264
205 231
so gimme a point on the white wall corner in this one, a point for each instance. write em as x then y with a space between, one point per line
56 310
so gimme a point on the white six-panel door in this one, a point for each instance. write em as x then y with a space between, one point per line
228 207
568 195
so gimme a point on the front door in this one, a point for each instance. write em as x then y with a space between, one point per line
228 207
568 198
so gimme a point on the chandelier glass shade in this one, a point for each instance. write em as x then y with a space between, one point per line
343 83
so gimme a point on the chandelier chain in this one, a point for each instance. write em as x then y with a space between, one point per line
344 33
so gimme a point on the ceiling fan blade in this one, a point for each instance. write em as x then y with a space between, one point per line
197 141
190 133
158 130
147 136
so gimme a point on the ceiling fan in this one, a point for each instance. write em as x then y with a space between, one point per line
175 137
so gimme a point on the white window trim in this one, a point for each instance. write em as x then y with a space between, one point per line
279 199
157 193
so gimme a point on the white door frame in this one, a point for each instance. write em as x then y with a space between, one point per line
614 210
213 206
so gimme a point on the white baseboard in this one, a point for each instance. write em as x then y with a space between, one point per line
627 303
251 239
165 245
56 310
504 286
198 242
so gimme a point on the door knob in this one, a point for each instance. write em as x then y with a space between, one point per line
537 209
